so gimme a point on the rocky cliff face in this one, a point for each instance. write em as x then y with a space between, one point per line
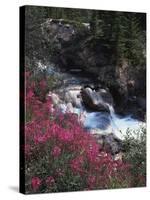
72 46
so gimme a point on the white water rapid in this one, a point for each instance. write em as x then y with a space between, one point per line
100 122
96 122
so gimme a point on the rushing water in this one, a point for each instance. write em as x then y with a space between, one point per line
95 122
103 122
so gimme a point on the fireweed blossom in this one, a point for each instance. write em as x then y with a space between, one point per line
50 134
50 181
36 182
91 181
56 151
77 164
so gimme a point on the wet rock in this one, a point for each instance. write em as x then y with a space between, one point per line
55 98
66 108
57 30
73 96
62 107
118 156
106 96
141 102
109 143
96 100
69 108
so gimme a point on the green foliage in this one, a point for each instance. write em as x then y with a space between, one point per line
130 41
123 32
41 88
136 155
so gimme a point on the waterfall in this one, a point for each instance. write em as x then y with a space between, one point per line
113 117
111 109
105 123
121 124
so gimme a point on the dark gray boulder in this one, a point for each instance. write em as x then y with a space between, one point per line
96 100
141 102
109 143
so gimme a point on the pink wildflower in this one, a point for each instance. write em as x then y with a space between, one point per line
40 139
35 182
66 136
91 181
42 84
30 94
50 181
56 151
76 164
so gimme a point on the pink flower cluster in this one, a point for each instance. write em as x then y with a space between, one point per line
77 164
35 182
56 151
50 181
59 144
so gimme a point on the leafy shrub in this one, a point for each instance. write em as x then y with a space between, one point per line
41 83
136 155
61 156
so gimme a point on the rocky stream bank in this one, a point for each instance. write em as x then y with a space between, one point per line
107 97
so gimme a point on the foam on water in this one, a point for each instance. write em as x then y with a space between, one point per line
104 122
96 122
112 122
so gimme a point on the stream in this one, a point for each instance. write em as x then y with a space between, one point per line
96 122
